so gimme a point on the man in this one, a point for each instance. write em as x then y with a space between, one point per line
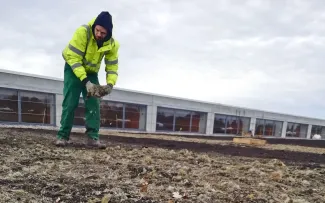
83 55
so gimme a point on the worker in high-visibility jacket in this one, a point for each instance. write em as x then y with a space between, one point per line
83 56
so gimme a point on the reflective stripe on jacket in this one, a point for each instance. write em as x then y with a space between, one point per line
83 55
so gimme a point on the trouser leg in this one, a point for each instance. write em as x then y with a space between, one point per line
71 94
92 111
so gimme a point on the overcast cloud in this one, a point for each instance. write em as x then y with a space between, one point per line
246 51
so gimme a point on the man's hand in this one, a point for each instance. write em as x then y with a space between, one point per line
108 89
92 90
105 90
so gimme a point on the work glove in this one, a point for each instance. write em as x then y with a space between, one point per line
108 89
104 90
92 90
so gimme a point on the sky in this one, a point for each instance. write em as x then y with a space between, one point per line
261 54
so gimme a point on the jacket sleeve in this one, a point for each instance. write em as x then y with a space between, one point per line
74 53
111 64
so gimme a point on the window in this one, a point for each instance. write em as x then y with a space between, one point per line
115 115
219 124
232 125
259 127
320 130
26 107
198 122
269 128
123 115
8 105
37 107
227 124
266 127
297 130
278 128
79 114
244 124
111 114
180 120
135 116
165 119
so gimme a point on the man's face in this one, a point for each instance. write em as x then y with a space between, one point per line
100 32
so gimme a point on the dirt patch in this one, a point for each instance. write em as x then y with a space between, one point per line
301 145
225 149
32 169
98 91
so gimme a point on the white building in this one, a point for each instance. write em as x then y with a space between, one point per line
26 99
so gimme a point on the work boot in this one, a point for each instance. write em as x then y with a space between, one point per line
95 143
69 142
60 142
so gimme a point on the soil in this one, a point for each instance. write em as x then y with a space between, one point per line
98 91
143 168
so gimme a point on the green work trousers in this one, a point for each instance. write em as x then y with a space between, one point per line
71 94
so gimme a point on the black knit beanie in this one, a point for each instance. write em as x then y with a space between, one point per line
104 19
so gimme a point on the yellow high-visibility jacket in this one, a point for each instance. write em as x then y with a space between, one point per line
83 55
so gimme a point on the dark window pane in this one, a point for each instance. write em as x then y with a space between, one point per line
37 107
197 118
315 130
219 123
232 125
134 116
259 128
165 119
79 114
111 114
8 105
291 130
269 128
320 130
244 124
322 133
296 130
182 120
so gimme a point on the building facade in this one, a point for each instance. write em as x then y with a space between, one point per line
36 100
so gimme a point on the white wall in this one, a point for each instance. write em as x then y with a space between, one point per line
151 118
142 120
202 123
